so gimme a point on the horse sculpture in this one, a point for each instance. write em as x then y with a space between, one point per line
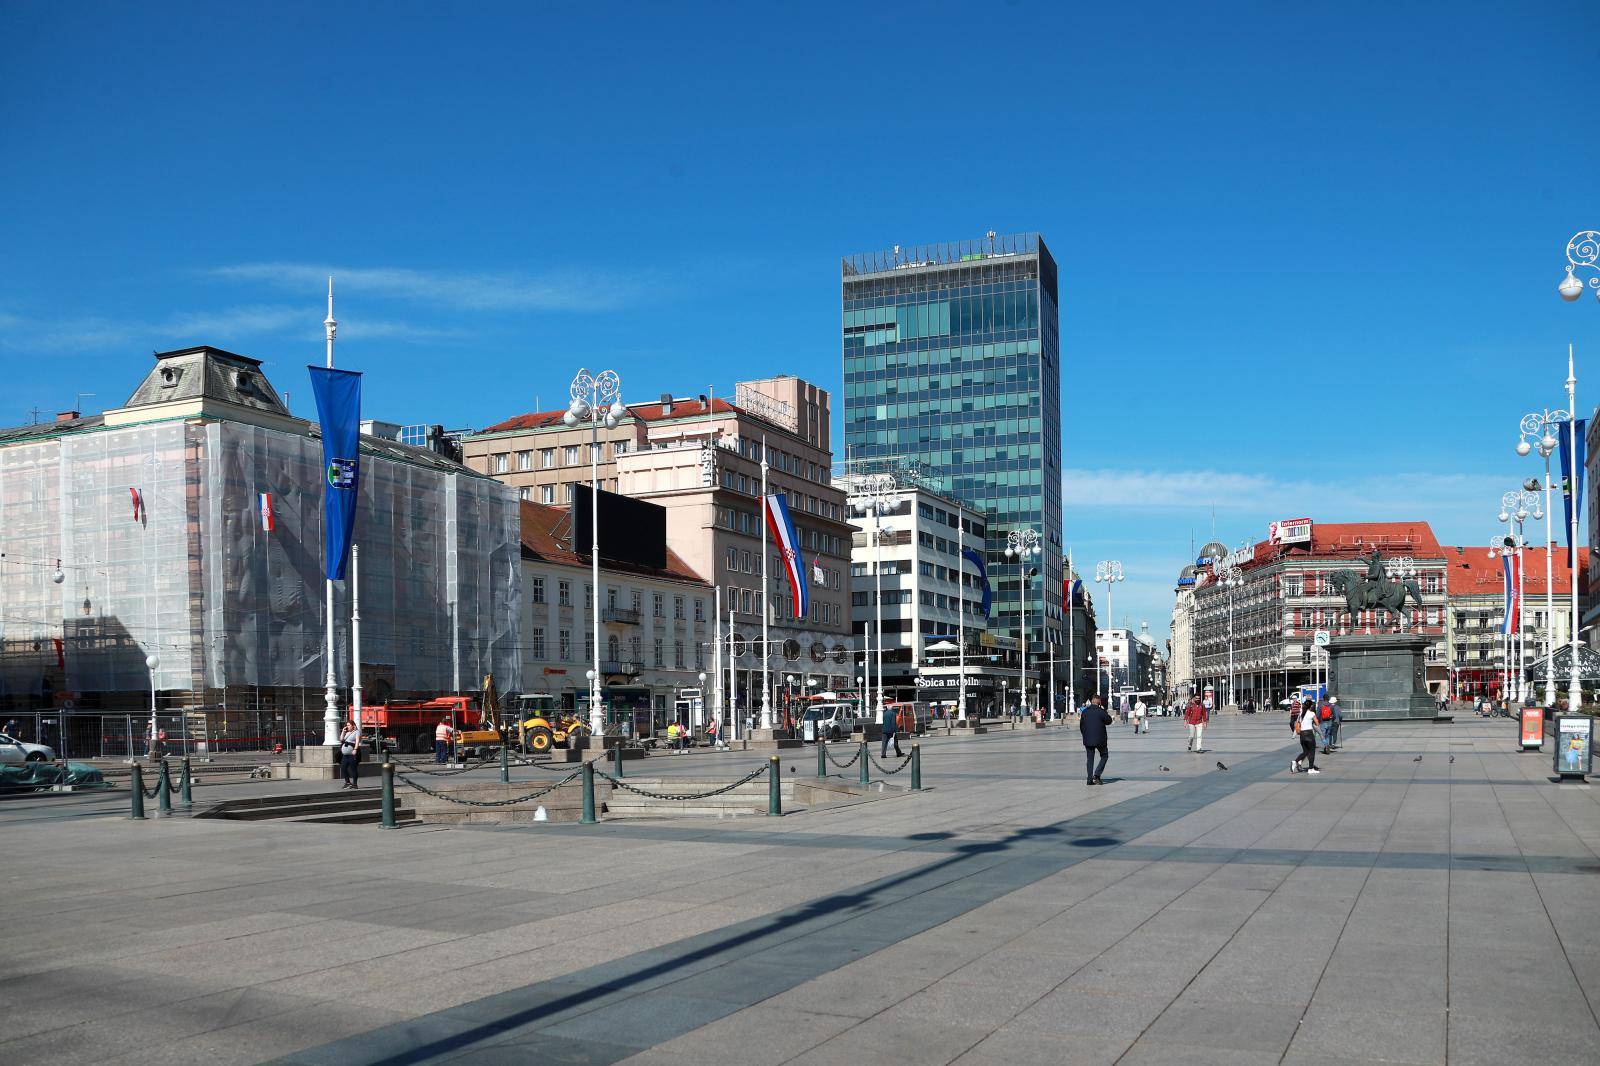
1362 594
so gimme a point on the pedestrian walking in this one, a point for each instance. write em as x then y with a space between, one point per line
350 755
888 722
714 735
1093 725
1195 716
1325 726
1141 724
442 735
1305 727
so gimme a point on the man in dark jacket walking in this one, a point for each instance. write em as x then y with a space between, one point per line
1093 725
887 723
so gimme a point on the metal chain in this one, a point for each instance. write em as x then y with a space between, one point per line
844 765
746 779
464 768
881 768
489 803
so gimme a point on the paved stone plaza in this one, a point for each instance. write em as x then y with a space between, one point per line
1389 910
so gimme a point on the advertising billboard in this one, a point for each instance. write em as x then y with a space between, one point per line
1574 735
1289 531
1532 728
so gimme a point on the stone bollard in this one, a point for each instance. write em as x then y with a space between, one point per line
864 757
774 797
388 821
164 790
136 811
822 757
616 761
916 767
185 782
588 794
505 763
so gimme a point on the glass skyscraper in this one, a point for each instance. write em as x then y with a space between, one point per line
951 368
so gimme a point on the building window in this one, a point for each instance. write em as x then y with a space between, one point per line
588 598
547 458
524 460
620 448
588 645
572 492
1293 585
547 494
536 642
638 601
570 455
733 558
699 657
658 657
677 608
635 646
500 462
538 589
564 593
677 655
525 493
566 645
611 600
658 605
699 609
613 648
747 603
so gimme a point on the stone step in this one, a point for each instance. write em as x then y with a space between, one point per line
361 817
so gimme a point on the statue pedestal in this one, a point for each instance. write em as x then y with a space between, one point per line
1380 676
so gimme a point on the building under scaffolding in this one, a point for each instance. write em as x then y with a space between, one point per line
143 533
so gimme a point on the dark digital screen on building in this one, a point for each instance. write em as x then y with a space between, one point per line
631 531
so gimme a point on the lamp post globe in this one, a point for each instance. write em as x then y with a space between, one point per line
1570 288
152 661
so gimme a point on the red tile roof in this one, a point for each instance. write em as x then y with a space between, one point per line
1359 538
647 412
1474 572
546 532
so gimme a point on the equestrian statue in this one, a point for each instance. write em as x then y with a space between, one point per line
1375 590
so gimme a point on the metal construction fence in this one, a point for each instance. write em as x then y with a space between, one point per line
198 732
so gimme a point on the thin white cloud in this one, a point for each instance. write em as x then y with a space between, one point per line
569 290
1375 497
223 327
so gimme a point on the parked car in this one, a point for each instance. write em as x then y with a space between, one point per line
829 721
14 752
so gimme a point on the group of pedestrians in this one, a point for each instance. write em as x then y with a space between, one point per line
1317 728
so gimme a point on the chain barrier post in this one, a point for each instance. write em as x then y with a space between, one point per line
505 764
864 756
774 796
185 781
616 760
588 794
916 767
822 757
164 790
136 811
388 821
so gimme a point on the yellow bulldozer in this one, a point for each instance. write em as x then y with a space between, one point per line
540 725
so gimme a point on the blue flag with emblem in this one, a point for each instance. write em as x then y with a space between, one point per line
983 577
1573 434
338 395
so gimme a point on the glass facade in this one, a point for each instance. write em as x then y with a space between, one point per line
951 367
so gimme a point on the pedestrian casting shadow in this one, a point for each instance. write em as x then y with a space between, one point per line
1096 842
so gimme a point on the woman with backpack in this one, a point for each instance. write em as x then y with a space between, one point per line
1305 727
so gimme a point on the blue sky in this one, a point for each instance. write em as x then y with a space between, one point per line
1266 216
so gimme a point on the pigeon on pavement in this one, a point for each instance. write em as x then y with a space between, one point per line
1452 758
1166 769
1417 759
1220 766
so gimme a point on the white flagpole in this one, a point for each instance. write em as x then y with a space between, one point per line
330 695
961 642
1072 656
1574 680
716 652
766 599
733 678
355 635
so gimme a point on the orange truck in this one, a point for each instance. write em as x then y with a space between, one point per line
409 727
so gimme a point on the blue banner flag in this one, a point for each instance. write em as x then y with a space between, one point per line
338 395
983 577
1573 447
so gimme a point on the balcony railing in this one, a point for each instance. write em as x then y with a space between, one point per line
623 615
626 667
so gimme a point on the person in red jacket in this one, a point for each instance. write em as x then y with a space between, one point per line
1195 715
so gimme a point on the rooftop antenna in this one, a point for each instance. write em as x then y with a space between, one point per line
77 402
33 413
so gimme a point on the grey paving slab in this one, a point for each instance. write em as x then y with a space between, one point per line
972 923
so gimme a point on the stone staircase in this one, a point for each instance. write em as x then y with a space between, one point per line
362 806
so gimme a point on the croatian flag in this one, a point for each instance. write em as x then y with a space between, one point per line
268 518
138 504
1513 582
783 532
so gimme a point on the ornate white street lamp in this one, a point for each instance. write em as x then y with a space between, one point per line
1583 253
1517 507
596 400
1108 572
1022 545
1542 427
875 494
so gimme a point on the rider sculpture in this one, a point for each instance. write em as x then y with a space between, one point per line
1375 591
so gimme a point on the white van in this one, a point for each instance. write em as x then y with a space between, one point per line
828 721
